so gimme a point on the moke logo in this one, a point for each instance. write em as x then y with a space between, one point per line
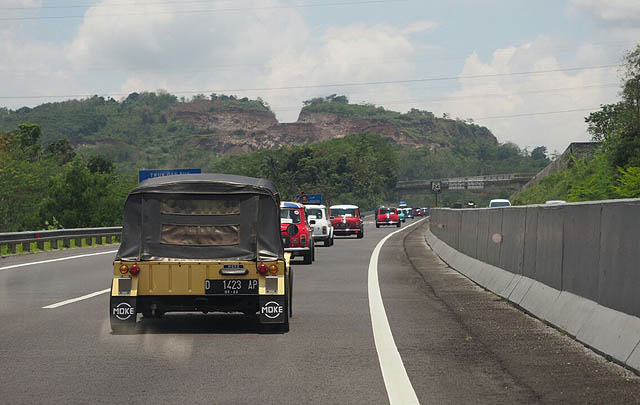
272 310
123 311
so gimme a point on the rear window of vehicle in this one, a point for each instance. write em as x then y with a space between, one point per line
500 204
384 211
200 235
315 211
338 212
200 207
291 213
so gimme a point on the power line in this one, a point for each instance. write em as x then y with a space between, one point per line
537 113
479 96
214 67
128 4
266 8
354 84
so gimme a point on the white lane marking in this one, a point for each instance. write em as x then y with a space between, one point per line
72 300
396 380
56 260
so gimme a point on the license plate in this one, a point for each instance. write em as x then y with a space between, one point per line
230 286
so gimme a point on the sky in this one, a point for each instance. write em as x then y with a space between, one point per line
528 70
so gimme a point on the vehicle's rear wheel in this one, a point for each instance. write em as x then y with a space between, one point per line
327 242
398 224
377 225
307 258
361 234
313 253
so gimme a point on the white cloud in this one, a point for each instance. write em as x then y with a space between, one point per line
353 54
609 10
525 94
618 20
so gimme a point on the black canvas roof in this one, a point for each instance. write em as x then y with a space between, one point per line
205 182
164 219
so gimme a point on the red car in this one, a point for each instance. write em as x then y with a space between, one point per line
387 216
346 220
296 232
417 212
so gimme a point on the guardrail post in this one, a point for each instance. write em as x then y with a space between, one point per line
26 246
78 242
89 240
54 244
118 237
98 239
11 247
40 244
66 242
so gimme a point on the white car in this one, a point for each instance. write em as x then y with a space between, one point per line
318 220
499 202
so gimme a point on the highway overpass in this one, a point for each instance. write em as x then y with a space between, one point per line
477 183
376 320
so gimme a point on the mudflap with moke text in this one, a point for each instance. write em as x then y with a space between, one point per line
122 310
273 309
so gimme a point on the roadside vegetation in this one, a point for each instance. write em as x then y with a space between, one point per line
53 187
614 171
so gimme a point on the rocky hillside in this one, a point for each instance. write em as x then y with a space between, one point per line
232 130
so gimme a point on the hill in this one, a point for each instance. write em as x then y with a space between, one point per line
158 130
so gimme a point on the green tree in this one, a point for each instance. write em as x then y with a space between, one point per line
629 183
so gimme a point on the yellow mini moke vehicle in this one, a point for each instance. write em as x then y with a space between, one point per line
205 243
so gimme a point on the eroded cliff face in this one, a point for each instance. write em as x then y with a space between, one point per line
240 131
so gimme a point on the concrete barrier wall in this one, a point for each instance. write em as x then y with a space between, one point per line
590 249
576 266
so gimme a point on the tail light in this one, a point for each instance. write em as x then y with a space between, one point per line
134 270
303 240
263 269
124 269
273 269
324 230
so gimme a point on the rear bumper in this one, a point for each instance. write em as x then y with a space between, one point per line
270 308
297 251
346 231
388 223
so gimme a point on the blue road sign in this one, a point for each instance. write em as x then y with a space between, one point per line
309 198
150 174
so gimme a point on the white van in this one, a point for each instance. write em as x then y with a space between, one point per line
499 202
318 220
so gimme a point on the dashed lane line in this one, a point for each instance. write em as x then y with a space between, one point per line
396 380
56 260
72 300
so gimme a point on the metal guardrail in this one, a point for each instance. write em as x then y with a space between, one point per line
91 236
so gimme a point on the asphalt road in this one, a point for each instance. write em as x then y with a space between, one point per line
458 343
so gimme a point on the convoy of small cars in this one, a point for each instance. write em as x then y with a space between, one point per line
211 243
